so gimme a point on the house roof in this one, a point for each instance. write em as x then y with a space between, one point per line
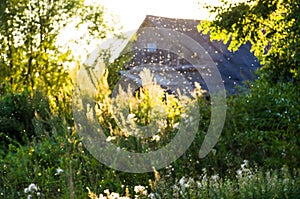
234 67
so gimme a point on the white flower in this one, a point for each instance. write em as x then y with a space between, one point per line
189 182
243 166
29 197
110 138
26 190
140 190
101 196
204 176
199 185
152 196
38 193
32 187
176 125
155 138
239 172
182 181
184 116
114 195
161 125
59 171
131 118
215 177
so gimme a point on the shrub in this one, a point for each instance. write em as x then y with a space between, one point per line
262 126
16 114
22 116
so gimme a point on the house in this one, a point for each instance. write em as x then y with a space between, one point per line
146 50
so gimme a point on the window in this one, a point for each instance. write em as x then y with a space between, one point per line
151 47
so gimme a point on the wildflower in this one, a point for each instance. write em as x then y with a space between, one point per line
198 91
110 138
59 171
184 116
152 196
147 77
106 191
29 197
155 138
189 182
245 163
101 196
114 195
131 118
156 174
32 187
182 181
127 192
239 172
199 184
204 176
161 124
176 125
140 190
26 190
215 177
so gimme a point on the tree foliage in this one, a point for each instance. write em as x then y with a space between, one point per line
34 68
271 26
30 58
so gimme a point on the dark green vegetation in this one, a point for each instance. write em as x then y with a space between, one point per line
38 138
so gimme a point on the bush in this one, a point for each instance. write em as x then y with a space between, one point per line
262 126
16 114
21 117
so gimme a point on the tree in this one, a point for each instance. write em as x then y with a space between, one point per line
35 82
30 58
271 26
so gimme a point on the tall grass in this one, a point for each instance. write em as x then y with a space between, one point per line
261 127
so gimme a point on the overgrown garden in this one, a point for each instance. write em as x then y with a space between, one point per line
42 155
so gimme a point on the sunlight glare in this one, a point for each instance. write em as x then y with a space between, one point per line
131 13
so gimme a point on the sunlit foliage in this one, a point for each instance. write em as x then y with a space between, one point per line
32 62
271 26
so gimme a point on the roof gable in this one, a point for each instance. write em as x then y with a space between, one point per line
234 67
